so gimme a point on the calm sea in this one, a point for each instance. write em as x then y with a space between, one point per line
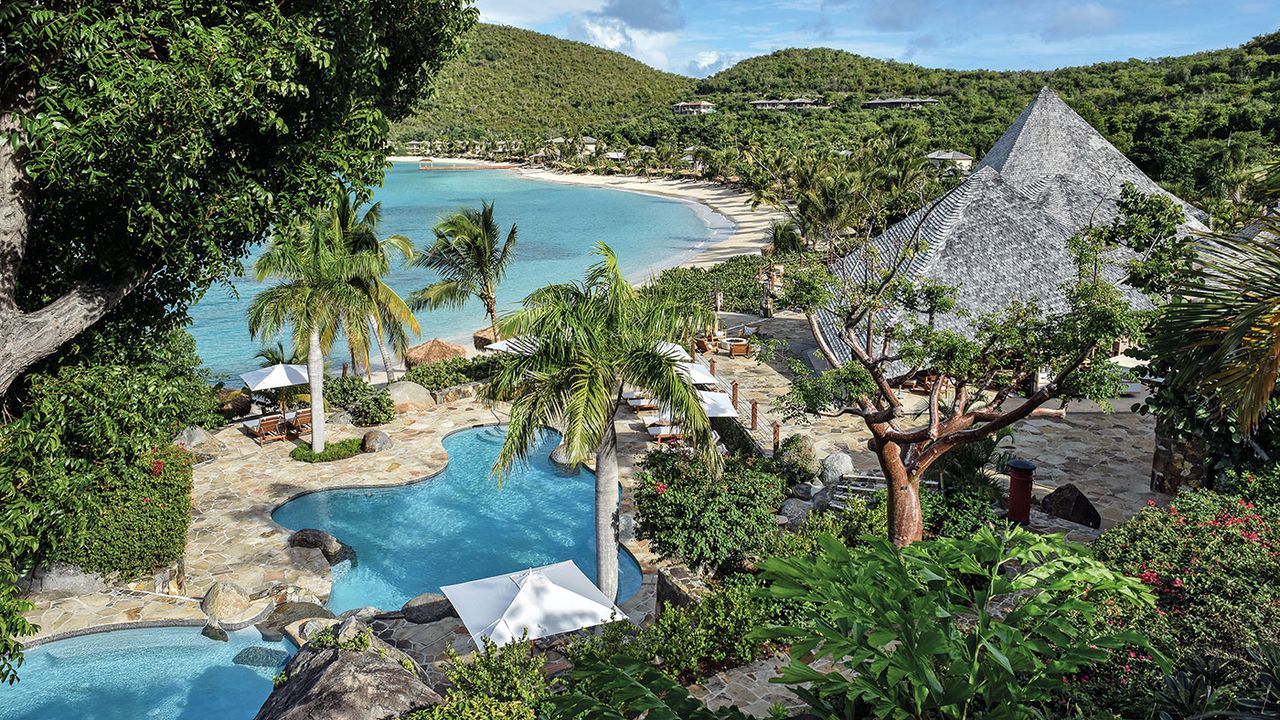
558 225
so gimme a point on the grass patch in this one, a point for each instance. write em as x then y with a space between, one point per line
337 451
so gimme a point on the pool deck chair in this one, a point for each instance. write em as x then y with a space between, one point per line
301 421
268 429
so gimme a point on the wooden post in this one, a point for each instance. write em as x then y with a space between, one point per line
735 393
713 366
755 413
777 436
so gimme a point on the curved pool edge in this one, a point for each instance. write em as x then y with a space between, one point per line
638 550
112 627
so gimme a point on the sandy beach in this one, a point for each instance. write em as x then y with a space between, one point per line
750 228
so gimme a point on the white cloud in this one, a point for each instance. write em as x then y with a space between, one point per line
1076 21
647 46
524 13
710 62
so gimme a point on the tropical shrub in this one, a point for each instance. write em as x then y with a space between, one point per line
627 689
448 373
506 673
136 519
366 404
796 460
1213 564
691 642
950 628
1259 486
956 513
736 279
474 708
340 450
710 522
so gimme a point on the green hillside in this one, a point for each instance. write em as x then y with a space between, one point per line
513 81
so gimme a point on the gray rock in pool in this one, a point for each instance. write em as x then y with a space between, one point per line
259 656
286 614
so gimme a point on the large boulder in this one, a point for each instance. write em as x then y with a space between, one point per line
335 551
806 490
1069 503
375 441
560 458
834 467
326 683
231 608
796 511
428 608
798 452
457 392
410 396
62 581
199 440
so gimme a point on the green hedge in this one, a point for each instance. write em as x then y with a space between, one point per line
136 519
736 278
340 450
366 404
448 373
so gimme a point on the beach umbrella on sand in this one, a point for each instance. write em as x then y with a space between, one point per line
432 351
533 603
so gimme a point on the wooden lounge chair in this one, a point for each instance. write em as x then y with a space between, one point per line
268 429
665 433
301 421
643 403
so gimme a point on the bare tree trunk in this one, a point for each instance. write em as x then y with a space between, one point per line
607 513
490 306
382 347
906 524
315 377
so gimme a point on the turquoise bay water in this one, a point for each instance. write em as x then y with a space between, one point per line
558 224
458 526
162 673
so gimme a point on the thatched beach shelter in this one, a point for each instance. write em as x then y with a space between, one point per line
434 350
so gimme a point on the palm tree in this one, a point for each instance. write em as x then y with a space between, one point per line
582 343
391 318
319 288
1222 335
472 259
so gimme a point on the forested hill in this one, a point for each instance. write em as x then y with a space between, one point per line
514 82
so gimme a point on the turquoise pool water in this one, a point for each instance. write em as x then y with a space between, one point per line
558 223
162 673
458 526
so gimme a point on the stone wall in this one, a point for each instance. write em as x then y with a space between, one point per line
679 586
1177 464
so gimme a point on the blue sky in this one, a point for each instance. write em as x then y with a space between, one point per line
699 37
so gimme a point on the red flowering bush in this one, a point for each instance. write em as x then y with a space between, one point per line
1213 562
710 523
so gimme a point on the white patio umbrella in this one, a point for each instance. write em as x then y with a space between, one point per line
717 404
542 601
697 373
520 345
275 376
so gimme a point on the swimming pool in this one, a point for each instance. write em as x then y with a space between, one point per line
159 673
458 525
559 224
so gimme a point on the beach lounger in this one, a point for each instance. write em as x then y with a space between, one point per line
267 429
301 421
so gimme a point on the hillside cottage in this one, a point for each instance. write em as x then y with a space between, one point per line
698 107
901 103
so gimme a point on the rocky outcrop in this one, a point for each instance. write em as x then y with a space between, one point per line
457 392
375 441
200 441
335 551
1069 503
330 683
287 613
410 396
560 458
834 467
795 511
428 608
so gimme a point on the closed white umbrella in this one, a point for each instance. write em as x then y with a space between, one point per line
717 404
518 345
697 373
275 376
533 603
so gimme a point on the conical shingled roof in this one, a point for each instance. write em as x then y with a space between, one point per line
1001 236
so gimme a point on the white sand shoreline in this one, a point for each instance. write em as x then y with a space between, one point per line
750 228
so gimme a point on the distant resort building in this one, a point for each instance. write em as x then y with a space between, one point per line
901 103
796 104
1001 236
414 146
697 107
951 158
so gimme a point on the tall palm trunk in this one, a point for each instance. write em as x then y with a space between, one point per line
491 308
382 346
315 377
607 512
